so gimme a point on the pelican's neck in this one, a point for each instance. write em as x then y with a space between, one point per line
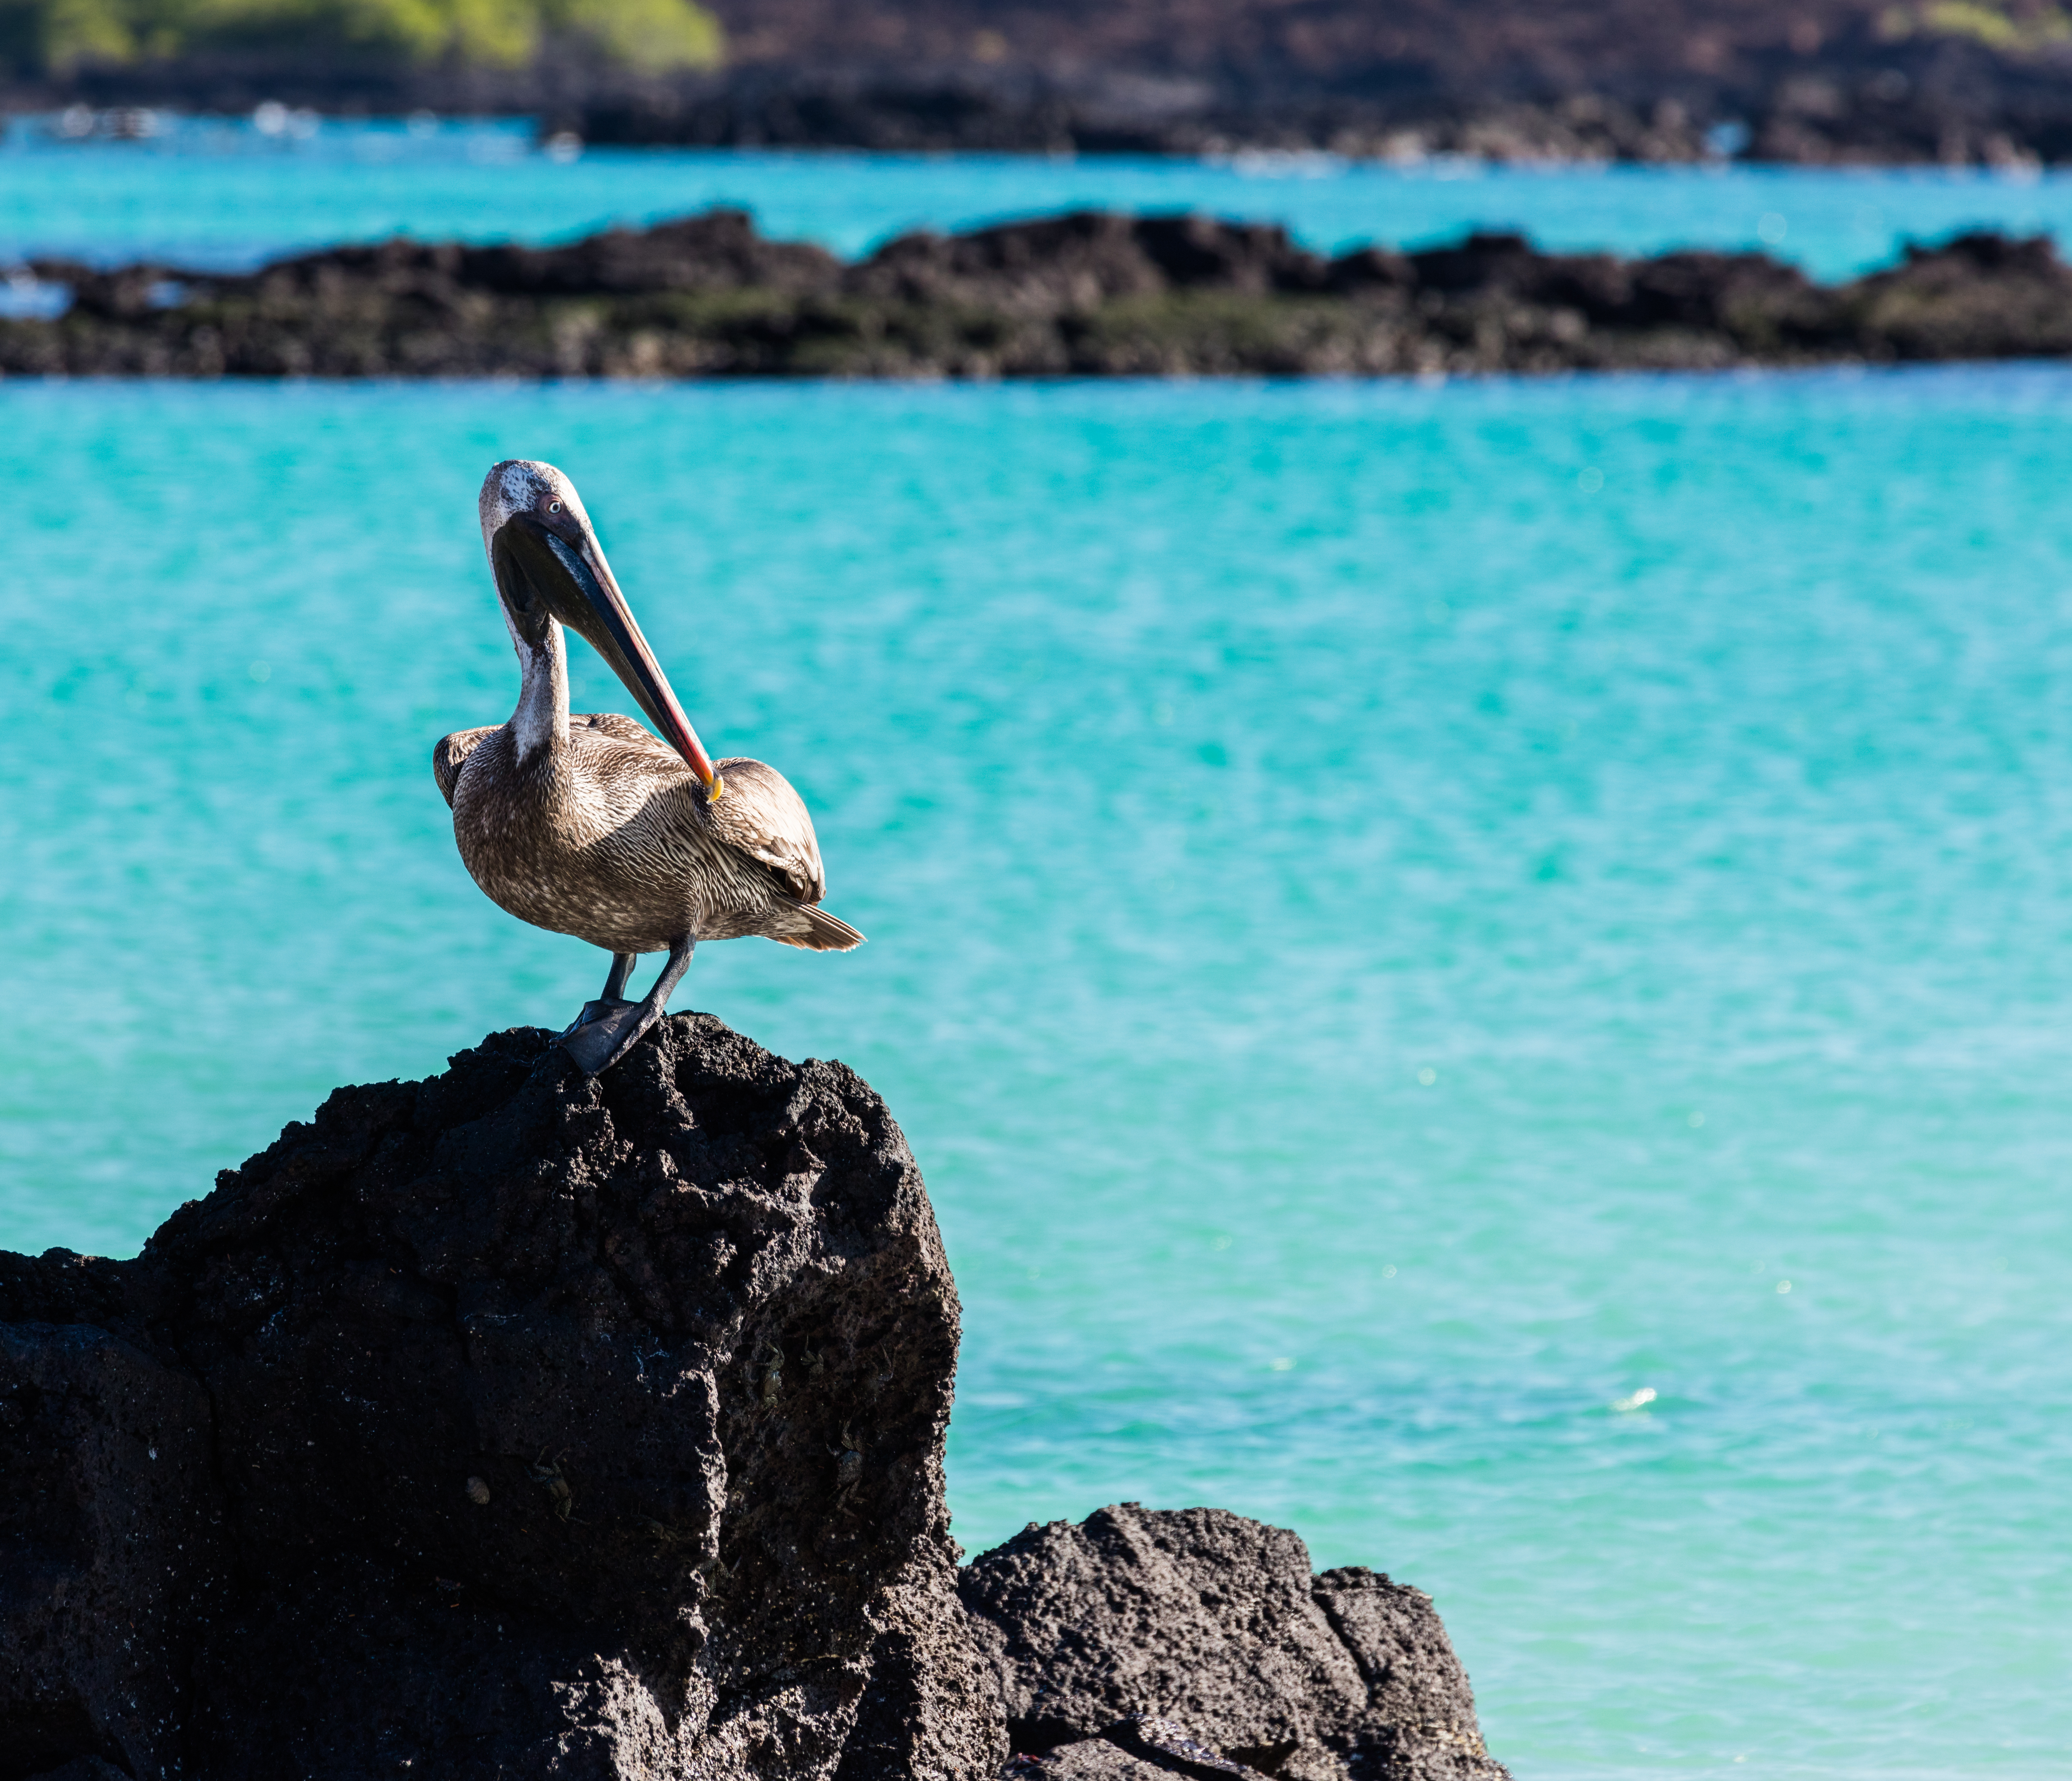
542 720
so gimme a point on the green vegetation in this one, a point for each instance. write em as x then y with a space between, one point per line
55 35
2014 27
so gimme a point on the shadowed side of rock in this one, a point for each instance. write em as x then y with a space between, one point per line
112 1547
507 1423
1197 1642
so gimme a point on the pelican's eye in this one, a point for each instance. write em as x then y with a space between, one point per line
554 507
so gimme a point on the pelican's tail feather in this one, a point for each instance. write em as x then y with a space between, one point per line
818 931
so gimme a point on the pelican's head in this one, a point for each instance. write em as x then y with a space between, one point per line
549 568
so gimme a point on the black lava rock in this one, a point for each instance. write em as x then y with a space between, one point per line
507 1424
1090 294
1195 1642
516 1424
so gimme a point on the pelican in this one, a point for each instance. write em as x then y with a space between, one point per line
587 824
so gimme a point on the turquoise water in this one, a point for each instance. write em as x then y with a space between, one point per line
1401 919
211 194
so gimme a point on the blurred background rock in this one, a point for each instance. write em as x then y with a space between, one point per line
1958 82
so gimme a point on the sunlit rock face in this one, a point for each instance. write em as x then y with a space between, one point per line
1194 1641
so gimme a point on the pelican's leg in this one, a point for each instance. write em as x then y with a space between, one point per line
614 994
598 1044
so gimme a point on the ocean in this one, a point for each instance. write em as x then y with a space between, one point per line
1480 971
215 194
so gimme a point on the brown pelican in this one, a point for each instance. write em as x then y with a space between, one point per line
589 825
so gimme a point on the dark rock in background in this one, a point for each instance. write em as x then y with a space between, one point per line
1086 294
510 1423
1197 1642
1861 101
1820 81
1662 80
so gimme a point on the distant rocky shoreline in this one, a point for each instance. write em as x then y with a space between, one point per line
1086 294
1850 82
1878 114
1876 119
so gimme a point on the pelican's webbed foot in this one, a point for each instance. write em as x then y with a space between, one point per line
602 1045
599 1040
599 1010
609 1027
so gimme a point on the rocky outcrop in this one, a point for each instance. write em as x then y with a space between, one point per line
1197 1642
516 1424
1679 80
1084 294
1870 100
507 1424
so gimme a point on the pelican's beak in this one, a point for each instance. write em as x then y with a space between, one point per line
536 566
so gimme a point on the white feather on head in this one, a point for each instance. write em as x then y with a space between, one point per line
524 485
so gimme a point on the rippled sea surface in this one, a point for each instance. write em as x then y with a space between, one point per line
212 193
1403 921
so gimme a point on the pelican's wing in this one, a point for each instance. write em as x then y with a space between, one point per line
760 815
449 754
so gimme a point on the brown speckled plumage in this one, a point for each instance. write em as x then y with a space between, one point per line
588 825
611 838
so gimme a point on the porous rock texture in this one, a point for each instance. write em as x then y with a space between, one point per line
1196 1642
508 1423
517 1424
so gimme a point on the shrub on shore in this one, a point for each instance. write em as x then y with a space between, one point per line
56 36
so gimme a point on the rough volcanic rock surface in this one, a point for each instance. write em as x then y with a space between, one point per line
509 1423
1196 1641
111 1547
